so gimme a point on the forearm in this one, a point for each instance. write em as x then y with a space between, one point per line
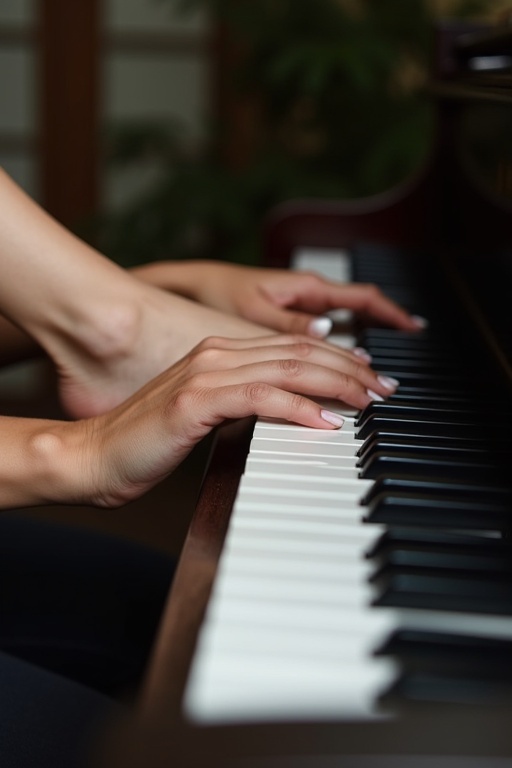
182 277
51 282
39 462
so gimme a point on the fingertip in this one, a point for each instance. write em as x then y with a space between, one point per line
320 327
332 418
419 322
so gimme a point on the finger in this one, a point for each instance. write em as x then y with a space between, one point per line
263 310
295 376
325 356
215 342
368 299
264 400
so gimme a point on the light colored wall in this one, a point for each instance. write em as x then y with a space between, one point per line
18 120
168 83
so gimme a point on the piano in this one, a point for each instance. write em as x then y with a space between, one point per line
345 598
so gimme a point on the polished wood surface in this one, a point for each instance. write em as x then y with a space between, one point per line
192 583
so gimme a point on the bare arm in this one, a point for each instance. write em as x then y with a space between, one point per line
107 332
286 301
110 459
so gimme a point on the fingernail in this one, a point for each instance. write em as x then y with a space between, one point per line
333 418
388 381
420 322
374 395
320 327
363 354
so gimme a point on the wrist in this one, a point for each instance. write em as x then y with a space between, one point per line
43 463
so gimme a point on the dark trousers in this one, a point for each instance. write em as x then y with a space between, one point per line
78 614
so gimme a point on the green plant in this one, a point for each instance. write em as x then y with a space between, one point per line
340 113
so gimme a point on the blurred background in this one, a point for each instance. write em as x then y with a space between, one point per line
168 128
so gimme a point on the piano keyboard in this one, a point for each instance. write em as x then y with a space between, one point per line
322 605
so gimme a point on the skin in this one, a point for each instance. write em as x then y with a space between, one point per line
146 373
287 301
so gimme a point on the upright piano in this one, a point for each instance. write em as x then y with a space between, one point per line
345 598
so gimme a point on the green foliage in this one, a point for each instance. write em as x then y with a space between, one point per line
342 115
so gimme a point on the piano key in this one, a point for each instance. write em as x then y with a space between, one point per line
290 630
448 557
402 447
415 510
449 591
432 428
484 442
479 468
438 487
425 411
414 536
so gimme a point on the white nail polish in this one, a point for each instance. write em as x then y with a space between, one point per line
420 322
333 418
320 327
374 395
388 381
363 354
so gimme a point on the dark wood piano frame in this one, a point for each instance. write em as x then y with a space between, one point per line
422 206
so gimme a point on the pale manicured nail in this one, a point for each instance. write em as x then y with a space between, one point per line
363 354
420 322
374 395
388 381
333 418
320 327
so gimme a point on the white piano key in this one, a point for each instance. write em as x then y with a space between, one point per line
290 630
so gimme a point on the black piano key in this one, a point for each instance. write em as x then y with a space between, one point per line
445 557
427 378
414 364
413 396
480 469
469 688
389 448
409 643
417 442
449 667
427 412
433 354
437 487
415 510
425 589
426 428
433 537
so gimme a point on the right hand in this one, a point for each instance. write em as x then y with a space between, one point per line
131 448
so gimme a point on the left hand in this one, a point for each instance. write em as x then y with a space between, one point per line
286 301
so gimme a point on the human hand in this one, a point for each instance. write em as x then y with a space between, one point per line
290 302
138 443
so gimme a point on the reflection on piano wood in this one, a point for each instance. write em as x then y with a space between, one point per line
370 611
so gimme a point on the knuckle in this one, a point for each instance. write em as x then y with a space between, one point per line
291 368
206 359
210 342
346 381
311 278
303 348
298 403
256 392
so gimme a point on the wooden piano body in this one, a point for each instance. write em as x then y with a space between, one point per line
447 208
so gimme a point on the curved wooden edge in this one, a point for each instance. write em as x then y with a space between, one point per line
176 639
394 217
